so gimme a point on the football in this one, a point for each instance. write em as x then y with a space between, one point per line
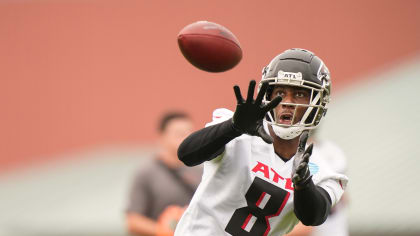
209 46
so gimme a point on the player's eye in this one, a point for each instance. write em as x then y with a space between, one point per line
301 94
279 93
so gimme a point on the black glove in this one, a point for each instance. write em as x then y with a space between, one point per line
300 171
249 114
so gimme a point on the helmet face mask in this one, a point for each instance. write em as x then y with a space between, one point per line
297 68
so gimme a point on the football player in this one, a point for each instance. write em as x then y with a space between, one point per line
258 176
336 223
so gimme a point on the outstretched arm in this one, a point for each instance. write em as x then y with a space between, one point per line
210 142
312 203
207 143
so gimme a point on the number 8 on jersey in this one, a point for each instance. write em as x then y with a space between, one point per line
264 201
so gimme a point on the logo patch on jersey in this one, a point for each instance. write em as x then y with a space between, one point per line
313 168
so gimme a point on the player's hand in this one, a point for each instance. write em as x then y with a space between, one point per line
249 114
300 171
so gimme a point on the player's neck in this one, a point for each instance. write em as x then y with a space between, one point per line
284 148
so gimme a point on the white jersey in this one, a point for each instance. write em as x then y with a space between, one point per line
247 190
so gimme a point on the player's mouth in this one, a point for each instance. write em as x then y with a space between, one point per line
285 118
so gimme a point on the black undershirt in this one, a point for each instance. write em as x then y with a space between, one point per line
207 143
311 203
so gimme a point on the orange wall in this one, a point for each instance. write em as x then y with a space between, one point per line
76 74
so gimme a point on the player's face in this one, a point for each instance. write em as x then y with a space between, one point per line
290 94
175 132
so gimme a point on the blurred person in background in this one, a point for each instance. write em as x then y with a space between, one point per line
163 186
336 223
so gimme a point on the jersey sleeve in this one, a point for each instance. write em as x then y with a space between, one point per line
327 166
220 115
335 188
332 182
335 156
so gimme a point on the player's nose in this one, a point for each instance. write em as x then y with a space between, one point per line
287 98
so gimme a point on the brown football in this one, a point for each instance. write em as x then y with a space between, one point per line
209 46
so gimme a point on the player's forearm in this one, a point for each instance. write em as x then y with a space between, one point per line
207 143
141 225
312 204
